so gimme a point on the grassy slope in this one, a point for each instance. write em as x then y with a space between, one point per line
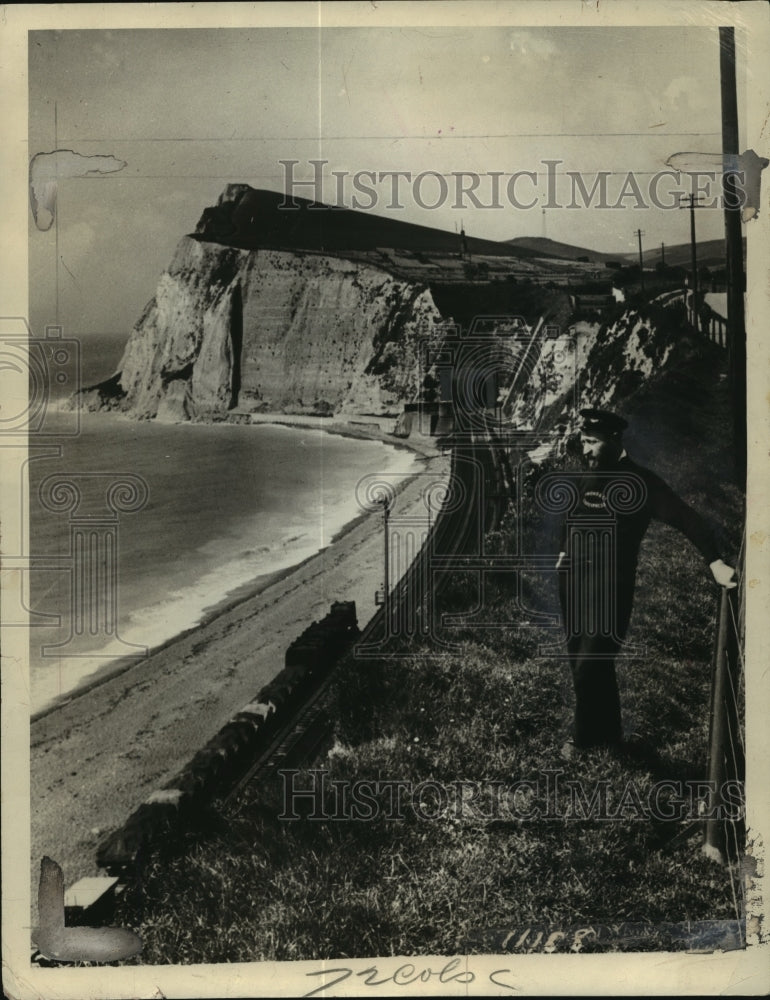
542 244
253 888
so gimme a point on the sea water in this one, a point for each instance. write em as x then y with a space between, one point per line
226 504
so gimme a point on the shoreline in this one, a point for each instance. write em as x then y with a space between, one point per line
362 430
370 430
96 756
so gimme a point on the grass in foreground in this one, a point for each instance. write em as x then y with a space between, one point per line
256 887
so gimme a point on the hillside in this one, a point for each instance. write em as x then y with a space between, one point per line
553 248
710 253
249 218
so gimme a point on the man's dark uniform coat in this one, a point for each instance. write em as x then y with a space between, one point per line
599 578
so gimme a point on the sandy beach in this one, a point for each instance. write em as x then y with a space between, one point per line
99 755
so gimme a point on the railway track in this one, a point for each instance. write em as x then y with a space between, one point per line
301 739
456 533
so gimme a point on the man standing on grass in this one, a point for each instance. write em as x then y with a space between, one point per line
612 505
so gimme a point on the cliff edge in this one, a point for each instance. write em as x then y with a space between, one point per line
267 329
329 311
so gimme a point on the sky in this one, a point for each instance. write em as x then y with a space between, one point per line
190 111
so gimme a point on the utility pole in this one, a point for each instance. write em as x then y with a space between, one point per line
386 570
736 320
663 254
383 596
640 234
693 259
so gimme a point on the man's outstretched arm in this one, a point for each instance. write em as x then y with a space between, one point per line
666 506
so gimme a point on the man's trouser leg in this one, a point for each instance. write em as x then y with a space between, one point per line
592 657
597 701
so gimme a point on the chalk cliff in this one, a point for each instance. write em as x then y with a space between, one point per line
594 364
314 311
281 330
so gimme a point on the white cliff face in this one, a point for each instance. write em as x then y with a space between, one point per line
623 357
274 330
242 330
594 366
560 365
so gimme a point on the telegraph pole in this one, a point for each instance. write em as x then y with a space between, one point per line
386 570
693 259
640 234
736 320
382 597
663 254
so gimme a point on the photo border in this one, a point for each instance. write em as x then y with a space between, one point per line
617 974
